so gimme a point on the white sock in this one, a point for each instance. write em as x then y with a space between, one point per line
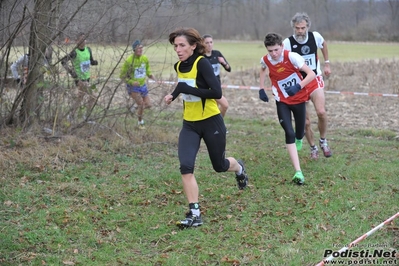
239 172
196 212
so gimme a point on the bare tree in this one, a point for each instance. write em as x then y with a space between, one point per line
27 103
394 6
40 39
28 26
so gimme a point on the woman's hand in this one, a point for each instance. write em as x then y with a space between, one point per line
168 99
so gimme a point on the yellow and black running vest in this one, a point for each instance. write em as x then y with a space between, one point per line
195 108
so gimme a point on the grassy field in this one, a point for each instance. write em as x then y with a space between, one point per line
241 55
246 55
100 198
115 202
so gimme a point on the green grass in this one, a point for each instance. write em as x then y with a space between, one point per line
115 202
246 55
352 52
100 199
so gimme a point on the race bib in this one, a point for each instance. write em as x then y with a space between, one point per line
189 97
289 81
216 69
85 66
310 60
140 72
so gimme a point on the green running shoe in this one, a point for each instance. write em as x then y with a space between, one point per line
299 178
298 143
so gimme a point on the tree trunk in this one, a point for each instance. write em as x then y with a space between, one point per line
40 38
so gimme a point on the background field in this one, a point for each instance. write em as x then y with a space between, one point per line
246 55
242 56
111 195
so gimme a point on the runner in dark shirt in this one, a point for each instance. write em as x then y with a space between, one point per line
216 58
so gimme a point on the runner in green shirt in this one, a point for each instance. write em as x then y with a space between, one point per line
81 59
134 72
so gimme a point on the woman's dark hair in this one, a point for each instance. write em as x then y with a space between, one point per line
192 37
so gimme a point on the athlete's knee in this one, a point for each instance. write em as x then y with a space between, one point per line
221 166
219 169
289 137
139 103
186 169
147 105
321 113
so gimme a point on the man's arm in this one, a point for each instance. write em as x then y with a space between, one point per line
324 51
92 61
262 73
64 63
262 77
148 70
152 77
310 75
125 67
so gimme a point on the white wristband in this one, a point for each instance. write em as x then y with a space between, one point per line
327 61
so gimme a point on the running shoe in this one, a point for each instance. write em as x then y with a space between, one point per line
191 220
299 178
298 143
141 124
314 153
324 147
242 180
